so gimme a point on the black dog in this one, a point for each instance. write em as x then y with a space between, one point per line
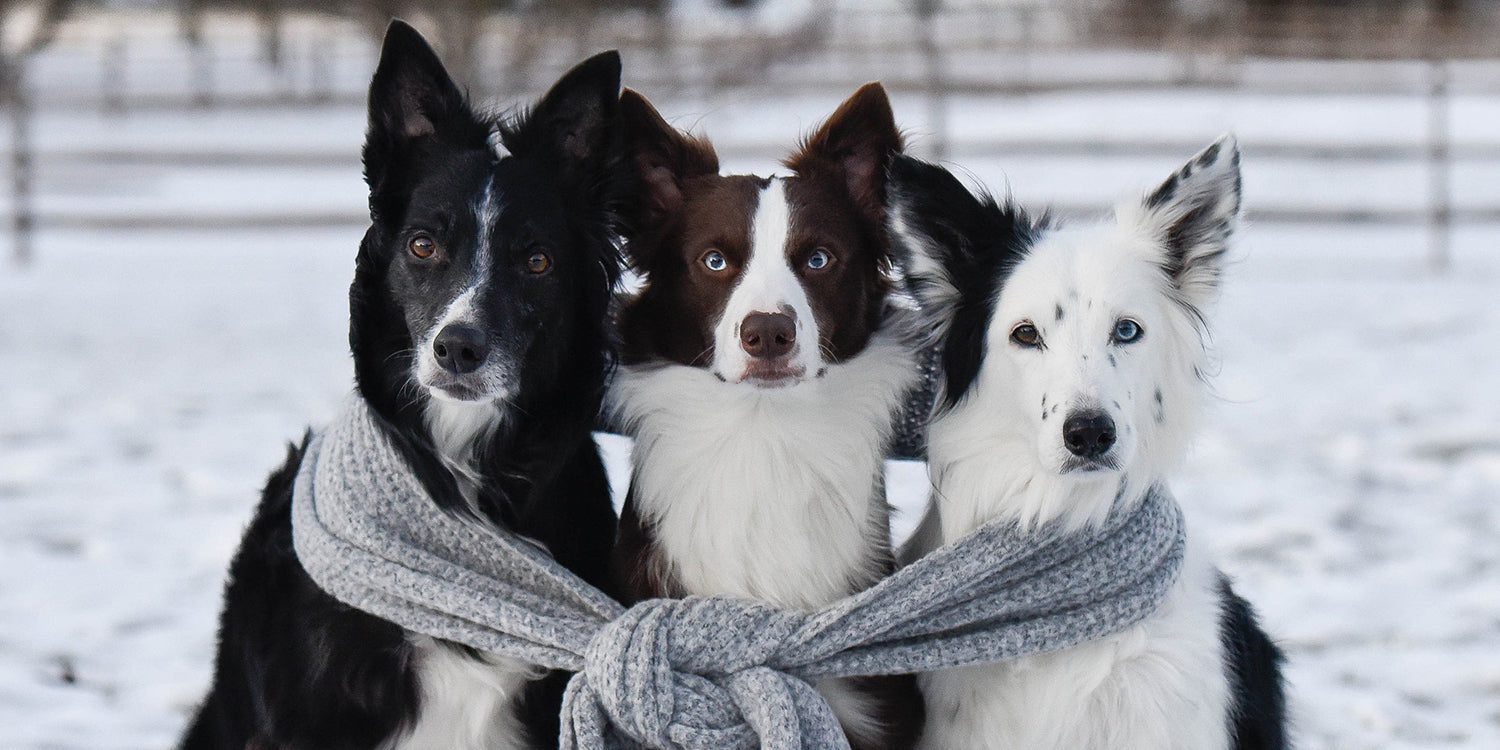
477 322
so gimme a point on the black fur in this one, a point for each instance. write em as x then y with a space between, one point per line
976 239
295 668
1258 708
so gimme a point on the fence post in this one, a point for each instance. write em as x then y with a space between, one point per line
203 73
1439 167
112 77
937 88
19 99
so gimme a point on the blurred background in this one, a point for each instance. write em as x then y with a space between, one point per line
182 202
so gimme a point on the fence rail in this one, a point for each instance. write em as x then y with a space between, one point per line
113 63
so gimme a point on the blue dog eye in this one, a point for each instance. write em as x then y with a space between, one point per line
1127 331
715 261
819 259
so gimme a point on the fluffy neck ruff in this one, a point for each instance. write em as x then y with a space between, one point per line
458 428
771 494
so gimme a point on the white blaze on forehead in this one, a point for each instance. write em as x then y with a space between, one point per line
767 284
463 308
497 145
486 213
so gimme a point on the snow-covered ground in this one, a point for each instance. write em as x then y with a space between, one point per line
1349 476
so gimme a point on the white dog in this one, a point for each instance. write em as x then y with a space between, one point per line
1073 364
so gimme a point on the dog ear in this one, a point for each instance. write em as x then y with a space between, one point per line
412 101
954 249
664 158
928 246
577 120
857 141
1193 214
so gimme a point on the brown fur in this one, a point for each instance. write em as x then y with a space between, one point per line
836 196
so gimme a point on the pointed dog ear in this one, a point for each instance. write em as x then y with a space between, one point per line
664 157
412 95
954 249
941 233
412 101
858 141
1193 214
577 120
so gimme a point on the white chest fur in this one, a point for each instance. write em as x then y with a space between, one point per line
775 494
771 494
1160 685
467 703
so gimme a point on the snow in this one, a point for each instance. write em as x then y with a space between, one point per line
1349 475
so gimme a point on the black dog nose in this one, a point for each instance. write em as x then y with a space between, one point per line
768 335
460 349
1089 434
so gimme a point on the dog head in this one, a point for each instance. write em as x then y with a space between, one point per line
764 281
485 275
1080 347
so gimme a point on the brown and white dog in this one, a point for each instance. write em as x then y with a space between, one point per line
763 365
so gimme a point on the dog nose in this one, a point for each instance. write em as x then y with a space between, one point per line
460 349
1089 434
768 335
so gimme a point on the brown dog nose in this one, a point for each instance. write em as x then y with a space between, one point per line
768 335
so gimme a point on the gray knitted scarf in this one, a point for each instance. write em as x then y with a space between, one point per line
712 673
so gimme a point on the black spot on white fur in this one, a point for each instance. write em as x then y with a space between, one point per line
1059 313
1196 210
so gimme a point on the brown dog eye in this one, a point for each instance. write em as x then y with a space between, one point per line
422 246
1026 335
538 263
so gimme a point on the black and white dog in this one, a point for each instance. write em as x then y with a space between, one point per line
1073 361
477 322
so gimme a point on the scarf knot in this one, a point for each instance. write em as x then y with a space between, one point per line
675 672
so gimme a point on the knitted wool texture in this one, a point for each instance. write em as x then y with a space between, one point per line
714 673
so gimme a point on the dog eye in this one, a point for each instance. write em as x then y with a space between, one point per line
820 259
538 263
422 246
715 260
1026 335
1127 331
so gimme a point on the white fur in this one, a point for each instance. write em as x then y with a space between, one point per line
769 285
923 267
467 703
456 427
772 494
1159 685
766 493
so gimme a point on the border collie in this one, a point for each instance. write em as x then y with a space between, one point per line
763 364
1073 365
478 319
